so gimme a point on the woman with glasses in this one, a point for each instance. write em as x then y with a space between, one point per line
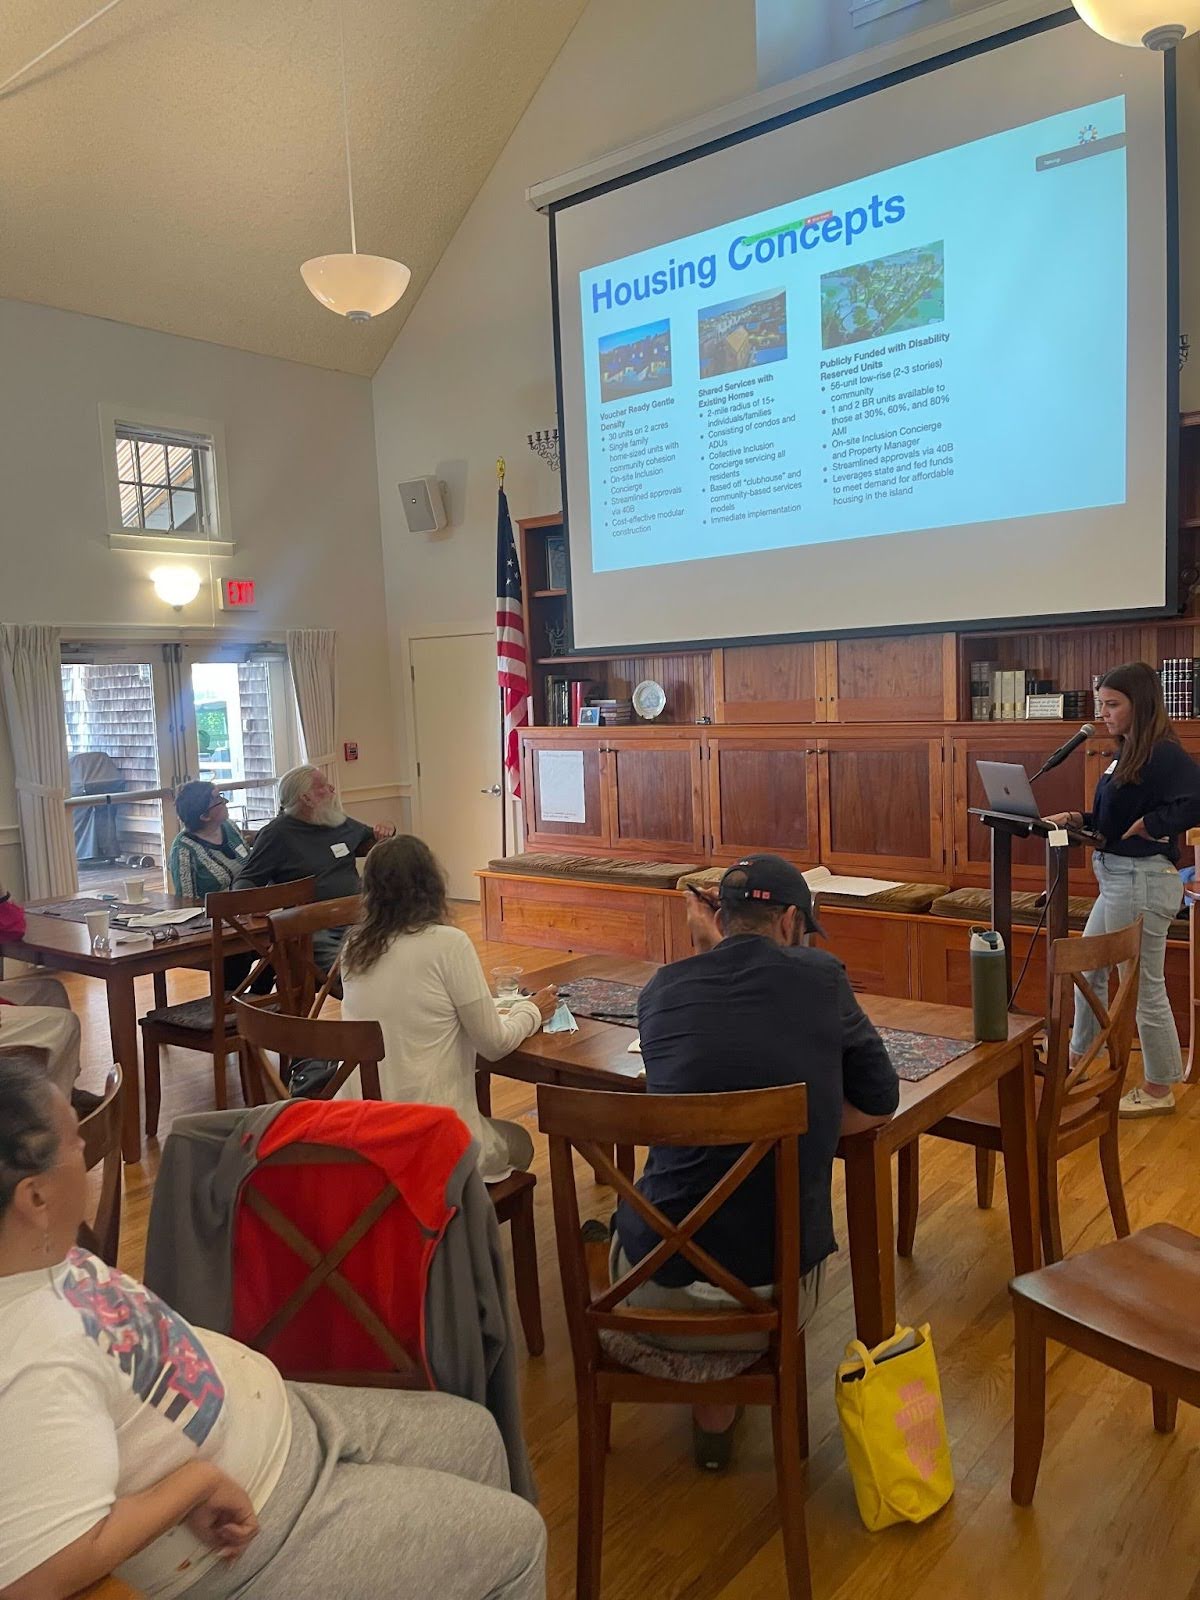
206 855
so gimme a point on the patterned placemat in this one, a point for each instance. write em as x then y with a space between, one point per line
120 911
78 910
916 1055
602 1000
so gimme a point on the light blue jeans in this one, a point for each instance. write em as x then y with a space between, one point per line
1146 887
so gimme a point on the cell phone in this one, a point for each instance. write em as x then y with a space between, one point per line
699 893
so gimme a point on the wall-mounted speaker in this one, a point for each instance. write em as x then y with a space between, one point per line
424 507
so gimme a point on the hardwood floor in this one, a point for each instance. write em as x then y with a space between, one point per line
1117 1514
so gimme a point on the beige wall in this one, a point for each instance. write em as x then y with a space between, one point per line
473 369
303 500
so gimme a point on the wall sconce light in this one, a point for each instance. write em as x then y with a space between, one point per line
176 586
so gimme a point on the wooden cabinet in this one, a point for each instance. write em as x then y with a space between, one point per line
656 797
881 805
641 796
770 682
538 775
901 677
1067 788
762 795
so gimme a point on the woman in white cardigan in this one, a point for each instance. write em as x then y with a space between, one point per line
407 967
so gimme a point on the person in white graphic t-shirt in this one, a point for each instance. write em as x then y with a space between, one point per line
181 1460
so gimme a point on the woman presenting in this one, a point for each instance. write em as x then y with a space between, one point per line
1149 794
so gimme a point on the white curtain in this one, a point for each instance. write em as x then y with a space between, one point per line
31 687
312 656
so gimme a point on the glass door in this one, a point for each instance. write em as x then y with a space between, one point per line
144 719
240 726
117 710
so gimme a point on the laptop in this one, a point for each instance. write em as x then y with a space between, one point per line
1006 786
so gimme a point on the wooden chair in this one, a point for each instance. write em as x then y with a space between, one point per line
1076 1105
360 1044
1129 1305
403 1371
302 986
351 1044
101 1134
208 1024
769 1122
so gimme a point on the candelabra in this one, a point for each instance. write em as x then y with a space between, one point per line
544 444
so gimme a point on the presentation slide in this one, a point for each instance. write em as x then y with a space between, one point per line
902 361
835 367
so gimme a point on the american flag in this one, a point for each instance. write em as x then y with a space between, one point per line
512 660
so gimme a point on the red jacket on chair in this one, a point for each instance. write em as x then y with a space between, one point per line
12 925
413 1147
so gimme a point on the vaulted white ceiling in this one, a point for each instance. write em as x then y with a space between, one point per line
173 165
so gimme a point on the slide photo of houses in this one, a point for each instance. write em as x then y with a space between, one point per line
635 361
743 333
887 295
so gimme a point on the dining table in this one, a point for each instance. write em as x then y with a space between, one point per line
57 941
597 1056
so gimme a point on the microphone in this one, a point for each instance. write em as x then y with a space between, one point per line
1064 750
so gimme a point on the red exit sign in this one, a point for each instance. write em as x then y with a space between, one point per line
238 594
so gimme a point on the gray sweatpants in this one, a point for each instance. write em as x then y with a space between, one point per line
39 1015
389 1492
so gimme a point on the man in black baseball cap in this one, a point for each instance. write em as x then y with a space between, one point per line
754 1008
770 882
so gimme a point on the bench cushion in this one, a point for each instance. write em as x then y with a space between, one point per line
912 899
194 1015
974 905
594 869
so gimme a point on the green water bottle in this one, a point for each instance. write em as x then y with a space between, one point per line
989 986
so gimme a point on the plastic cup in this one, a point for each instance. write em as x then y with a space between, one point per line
97 927
508 983
134 890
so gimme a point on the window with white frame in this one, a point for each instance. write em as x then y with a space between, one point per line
164 482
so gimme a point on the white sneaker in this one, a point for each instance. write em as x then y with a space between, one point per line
1137 1103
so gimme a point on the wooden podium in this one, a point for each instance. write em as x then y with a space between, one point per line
1004 829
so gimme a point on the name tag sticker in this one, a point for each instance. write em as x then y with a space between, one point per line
1110 769
241 850
340 849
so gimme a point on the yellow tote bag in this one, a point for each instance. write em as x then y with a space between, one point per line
889 1402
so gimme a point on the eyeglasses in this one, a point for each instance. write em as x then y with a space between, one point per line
164 935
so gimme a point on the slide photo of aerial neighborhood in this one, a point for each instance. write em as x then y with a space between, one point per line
743 333
635 361
887 295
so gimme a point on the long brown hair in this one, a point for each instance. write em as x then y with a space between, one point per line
1150 724
404 891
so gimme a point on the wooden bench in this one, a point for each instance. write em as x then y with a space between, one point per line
917 955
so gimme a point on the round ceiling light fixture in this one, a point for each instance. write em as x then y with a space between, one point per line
1157 24
356 287
176 586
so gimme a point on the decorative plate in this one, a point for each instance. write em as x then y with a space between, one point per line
649 698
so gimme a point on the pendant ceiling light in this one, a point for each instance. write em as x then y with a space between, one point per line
1158 24
357 287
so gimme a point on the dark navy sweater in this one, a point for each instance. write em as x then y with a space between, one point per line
1166 797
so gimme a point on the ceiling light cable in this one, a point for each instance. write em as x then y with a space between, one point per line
66 39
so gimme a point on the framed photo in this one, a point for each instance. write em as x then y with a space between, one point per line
556 561
589 717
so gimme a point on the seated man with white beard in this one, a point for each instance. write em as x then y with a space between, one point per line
312 837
